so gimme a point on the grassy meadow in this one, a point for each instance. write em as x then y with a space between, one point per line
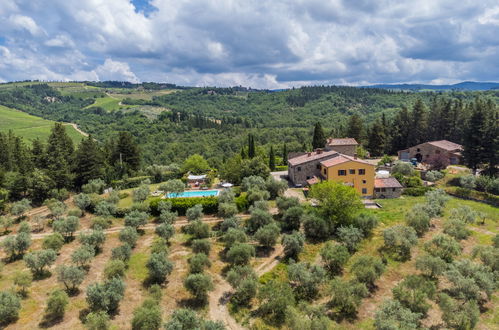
30 127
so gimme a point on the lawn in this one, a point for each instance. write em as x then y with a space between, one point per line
107 103
30 127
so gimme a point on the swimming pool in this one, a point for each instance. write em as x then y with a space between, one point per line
195 193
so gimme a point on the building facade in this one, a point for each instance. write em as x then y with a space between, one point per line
387 188
425 152
351 171
345 146
307 166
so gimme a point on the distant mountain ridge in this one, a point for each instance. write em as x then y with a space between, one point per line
465 86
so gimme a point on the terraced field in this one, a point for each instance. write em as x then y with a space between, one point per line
30 127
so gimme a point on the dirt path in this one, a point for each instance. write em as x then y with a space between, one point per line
78 129
220 296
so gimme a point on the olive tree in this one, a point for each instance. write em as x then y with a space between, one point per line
10 304
97 321
147 316
293 245
159 267
173 187
199 285
240 253
399 239
16 245
94 238
56 305
67 226
346 297
367 269
334 258
305 279
392 315
71 276
122 252
443 246
413 293
105 296
350 236
198 262
23 281
201 246
82 256
244 280
129 235
457 314
165 231
37 261
430 265
136 219
54 242
267 235
141 193
82 201
258 219
419 219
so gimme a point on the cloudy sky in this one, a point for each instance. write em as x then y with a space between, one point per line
257 43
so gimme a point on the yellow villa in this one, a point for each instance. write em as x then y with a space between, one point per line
351 171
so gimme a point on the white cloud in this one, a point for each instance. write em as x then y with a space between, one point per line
266 44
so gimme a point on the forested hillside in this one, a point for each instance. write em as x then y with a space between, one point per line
170 126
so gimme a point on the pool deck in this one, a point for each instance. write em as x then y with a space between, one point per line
198 193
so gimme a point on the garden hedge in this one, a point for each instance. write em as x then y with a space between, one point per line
180 204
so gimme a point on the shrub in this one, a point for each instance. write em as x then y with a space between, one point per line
400 239
402 168
70 276
97 321
198 262
443 246
198 285
240 253
293 245
430 265
165 231
201 246
242 202
10 304
367 269
334 257
105 296
267 235
54 242
413 292
434 176
227 210
159 268
315 227
226 196
37 261
181 204
23 281
95 186
56 305
350 237
366 222
136 219
83 255
347 297
258 219
195 213
392 315
147 316
305 279
114 268
101 223
467 181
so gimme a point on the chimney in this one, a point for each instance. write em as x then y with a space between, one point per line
355 156
318 151
309 154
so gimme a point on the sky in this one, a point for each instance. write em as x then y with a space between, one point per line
254 43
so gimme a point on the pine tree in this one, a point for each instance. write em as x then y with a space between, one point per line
89 162
355 127
38 153
419 124
475 134
376 143
319 139
284 154
126 155
59 155
400 131
272 159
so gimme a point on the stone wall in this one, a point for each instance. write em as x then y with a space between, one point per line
299 174
387 193
345 150
423 152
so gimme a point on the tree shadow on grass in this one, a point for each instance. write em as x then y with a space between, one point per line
50 321
264 251
193 303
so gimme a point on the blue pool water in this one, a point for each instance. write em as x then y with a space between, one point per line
195 193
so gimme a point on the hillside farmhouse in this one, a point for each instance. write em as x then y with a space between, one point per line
345 146
352 171
306 166
387 188
424 152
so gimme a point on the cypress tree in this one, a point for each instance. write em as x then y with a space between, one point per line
59 155
126 154
319 138
251 146
419 124
284 154
475 134
271 159
376 144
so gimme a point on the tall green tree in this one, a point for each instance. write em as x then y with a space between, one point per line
251 146
475 135
319 138
89 162
377 139
418 124
355 127
125 156
284 154
272 159
60 151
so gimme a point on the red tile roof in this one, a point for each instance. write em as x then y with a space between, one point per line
447 145
342 142
310 156
386 183
342 159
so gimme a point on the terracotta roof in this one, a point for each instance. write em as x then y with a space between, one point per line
342 159
447 145
390 182
342 142
310 156
312 181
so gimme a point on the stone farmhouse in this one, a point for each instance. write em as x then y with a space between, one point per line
387 188
345 146
307 166
424 152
